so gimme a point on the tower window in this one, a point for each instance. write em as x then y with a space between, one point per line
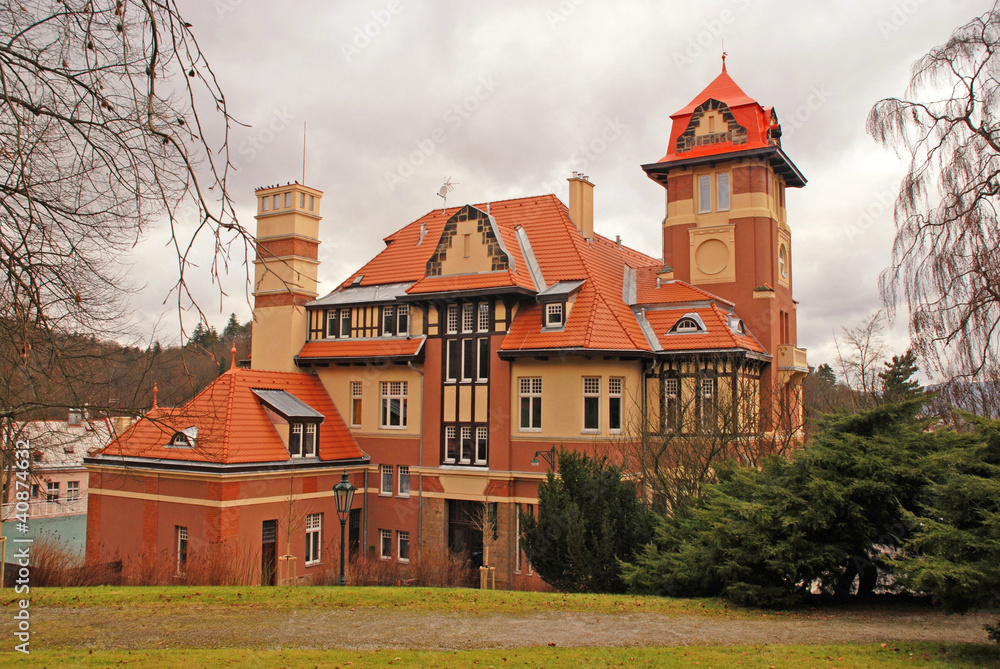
722 186
264 202
288 199
704 193
783 261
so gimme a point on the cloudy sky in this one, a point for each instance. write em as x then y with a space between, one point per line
519 94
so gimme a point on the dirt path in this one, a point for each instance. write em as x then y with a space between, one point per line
215 627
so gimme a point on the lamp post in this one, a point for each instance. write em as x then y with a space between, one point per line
549 456
344 493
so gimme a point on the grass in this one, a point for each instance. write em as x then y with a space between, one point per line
930 656
418 600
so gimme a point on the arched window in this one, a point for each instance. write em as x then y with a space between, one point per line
783 261
687 325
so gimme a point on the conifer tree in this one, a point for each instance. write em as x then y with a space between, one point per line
589 520
898 384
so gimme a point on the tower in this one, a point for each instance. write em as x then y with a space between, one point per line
726 228
285 273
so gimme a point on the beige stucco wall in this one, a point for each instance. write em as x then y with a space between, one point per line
337 381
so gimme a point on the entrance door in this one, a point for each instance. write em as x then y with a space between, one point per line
465 535
269 552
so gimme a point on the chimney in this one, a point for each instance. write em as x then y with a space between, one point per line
581 204
285 273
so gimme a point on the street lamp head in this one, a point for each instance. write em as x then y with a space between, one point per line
344 493
534 461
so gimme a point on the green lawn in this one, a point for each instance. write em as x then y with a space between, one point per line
449 600
930 656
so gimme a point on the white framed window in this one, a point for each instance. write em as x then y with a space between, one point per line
722 190
554 315
355 404
345 324
451 360
388 321
314 538
403 320
72 491
615 404
484 317
483 368
466 452
385 544
783 261
331 323
531 403
450 443
708 403
686 326
468 317
181 535
591 403
468 359
288 199
309 442
386 480
403 546
704 193
482 444
671 403
404 481
394 404
295 440
52 491
451 323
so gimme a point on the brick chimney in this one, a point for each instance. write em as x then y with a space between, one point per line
581 204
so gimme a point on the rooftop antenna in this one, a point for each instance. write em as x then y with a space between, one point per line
444 190
303 153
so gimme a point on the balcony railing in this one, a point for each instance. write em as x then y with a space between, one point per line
793 359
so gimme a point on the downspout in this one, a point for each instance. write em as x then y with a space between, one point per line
364 550
642 428
420 470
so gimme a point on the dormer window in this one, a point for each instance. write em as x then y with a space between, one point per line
688 325
554 315
185 438
302 440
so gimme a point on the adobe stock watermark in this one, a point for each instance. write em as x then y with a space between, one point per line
791 122
363 35
709 37
587 154
898 17
252 147
22 555
223 7
875 211
561 13
454 116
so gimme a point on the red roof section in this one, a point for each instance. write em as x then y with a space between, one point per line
361 348
233 426
448 283
669 292
717 335
746 110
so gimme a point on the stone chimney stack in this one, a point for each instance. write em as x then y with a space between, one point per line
581 204
285 273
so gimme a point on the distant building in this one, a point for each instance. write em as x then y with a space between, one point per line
57 508
447 367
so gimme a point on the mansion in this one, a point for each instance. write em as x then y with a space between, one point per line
480 337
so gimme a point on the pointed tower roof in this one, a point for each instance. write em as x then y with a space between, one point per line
745 129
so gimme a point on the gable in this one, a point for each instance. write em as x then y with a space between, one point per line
468 245
711 123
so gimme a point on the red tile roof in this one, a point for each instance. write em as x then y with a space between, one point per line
747 112
717 335
478 281
233 426
669 292
361 348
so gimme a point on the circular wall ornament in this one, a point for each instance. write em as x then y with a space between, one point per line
712 256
